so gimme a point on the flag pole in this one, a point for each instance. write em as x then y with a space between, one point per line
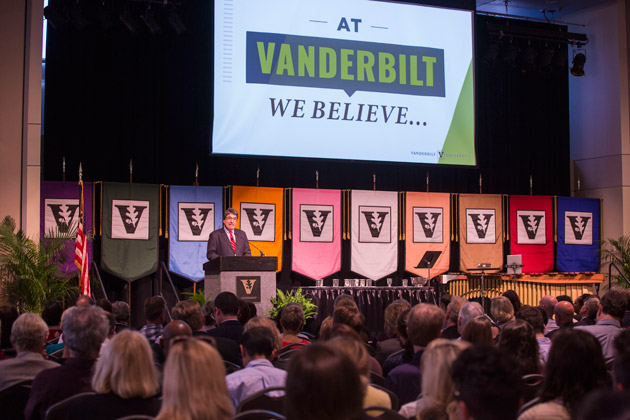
531 185
130 171
374 181
317 179
196 183
63 169
427 181
258 177
480 184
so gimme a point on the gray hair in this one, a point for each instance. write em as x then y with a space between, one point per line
29 333
229 211
467 313
592 307
454 307
84 329
121 311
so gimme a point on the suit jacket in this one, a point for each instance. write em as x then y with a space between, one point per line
219 244
25 366
231 329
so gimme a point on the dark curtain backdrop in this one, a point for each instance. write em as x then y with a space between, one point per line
112 96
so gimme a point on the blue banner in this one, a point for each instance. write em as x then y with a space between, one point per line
578 234
194 212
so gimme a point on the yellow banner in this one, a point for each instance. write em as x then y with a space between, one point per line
480 231
261 213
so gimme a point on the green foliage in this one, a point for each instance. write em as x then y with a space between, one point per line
31 274
198 297
618 251
292 296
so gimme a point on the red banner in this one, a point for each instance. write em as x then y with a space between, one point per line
531 232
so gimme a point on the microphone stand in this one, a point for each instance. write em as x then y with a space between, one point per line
262 254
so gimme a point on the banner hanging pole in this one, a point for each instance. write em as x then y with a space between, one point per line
427 181
317 179
63 169
258 177
196 183
131 171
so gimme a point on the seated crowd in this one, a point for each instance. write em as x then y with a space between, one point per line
559 360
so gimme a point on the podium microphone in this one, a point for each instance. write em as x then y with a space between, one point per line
262 254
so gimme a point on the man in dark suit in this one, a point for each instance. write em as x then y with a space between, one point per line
226 316
228 241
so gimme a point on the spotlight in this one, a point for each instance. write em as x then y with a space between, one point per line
176 23
56 19
149 21
579 59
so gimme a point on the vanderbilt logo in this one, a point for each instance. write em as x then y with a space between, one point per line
259 221
480 226
531 227
130 219
375 224
316 223
427 225
248 285
61 217
578 224
248 288
196 221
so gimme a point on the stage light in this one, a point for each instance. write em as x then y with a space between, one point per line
149 21
579 59
176 23
54 18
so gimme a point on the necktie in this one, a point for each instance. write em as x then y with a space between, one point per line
232 242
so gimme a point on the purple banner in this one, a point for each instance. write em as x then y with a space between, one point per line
59 216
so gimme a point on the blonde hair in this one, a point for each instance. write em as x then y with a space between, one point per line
501 309
356 352
194 385
262 321
125 367
436 365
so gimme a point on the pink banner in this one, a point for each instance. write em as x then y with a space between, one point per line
316 232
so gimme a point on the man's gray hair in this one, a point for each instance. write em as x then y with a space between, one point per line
454 307
467 313
121 311
84 329
229 211
29 333
592 307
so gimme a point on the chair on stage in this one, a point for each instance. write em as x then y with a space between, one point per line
263 401
59 411
13 400
385 413
259 415
392 396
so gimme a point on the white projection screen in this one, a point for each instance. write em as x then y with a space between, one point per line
352 79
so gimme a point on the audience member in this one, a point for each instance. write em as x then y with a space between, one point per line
423 326
452 314
469 311
514 299
226 315
349 316
534 317
390 341
124 380
8 315
193 385
604 405
478 331
501 310
564 298
575 367
257 350
563 312
625 323
84 301
104 304
579 303
122 315
437 382
518 342
343 330
208 313
28 336
173 330
445 299
263 321
547 303
155 313
52 317
291 322
588 311
406 353
322 384
621 365
486 385
611 310
84 329
189 311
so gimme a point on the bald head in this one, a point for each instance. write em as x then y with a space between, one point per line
174 329
547 303
563 312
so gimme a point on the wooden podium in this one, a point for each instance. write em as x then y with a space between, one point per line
252 279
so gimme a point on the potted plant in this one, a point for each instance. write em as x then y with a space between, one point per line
617 251
30 274
282 299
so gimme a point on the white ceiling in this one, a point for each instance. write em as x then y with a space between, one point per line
533 8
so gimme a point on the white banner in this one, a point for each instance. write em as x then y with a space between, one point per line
374 233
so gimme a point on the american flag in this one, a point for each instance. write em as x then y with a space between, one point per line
81 252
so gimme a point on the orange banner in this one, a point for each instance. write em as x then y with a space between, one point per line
480 231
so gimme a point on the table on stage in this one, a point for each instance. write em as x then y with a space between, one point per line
372 300
530 287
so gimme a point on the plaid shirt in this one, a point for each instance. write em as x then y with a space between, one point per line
152 331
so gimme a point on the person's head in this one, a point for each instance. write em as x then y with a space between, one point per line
445 300
590 308
533 316
292 318
84 329
436 366
547 303
172 330
230 217
478 331
613 304
563 312
350 317
356 352
225 307
469 311
453 308
104 304
322 383
121 312
392 312
345 300
424 324
575 366
518 341
29 333
155 309
564 298
604 405
52 313
84 300
579 302
8 315
263 321
257 342
125 367
338 330
189 311
243 312
194 383
501 309
486 385
514 299
401 325
621 365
